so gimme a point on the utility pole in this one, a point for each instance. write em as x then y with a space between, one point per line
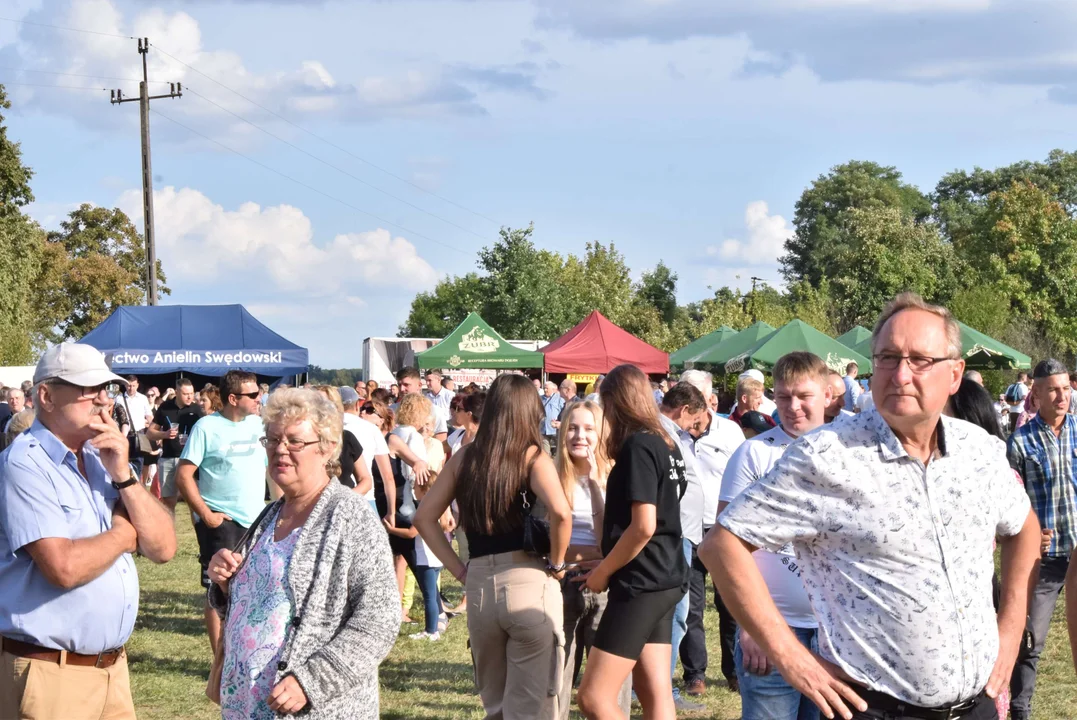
144 97
754 281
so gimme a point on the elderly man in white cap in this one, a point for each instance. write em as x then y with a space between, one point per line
71 513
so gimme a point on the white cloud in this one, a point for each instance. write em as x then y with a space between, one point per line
765 242
273 249
420 90
1004 42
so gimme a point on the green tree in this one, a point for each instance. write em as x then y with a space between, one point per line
1025 243
22 246
960 197
885 252
812 253
437 313
14 174
91 230
658 289
523 298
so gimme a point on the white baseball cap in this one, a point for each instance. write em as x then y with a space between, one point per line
753 374
76 363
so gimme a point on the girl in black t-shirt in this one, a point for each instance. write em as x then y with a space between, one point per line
644 566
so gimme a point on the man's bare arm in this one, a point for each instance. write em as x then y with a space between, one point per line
729 561
1020 557
69 564
152 522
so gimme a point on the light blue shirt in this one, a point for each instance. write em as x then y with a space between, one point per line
43 495
231 465
852 392
552 406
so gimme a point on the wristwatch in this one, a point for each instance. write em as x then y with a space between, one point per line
131 480
554 569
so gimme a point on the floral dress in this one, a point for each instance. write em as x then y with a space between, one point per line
259 612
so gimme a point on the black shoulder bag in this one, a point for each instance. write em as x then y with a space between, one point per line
536 531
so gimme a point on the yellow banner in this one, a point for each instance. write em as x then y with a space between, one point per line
581 379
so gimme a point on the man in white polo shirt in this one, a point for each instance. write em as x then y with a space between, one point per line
803 390
717 440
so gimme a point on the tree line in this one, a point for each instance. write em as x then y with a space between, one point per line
58 285
998 247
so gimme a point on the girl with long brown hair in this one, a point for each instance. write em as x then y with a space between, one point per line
644 567
515 613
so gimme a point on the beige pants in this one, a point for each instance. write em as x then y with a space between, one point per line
39 690
515 622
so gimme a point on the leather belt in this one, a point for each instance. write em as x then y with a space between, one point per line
888 704
35 652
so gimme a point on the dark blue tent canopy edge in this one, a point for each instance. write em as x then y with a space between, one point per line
199 339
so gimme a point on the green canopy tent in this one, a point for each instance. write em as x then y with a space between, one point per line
701 345
854 337
981 352
476 345
796 335
719 355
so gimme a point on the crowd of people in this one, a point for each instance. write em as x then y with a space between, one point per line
848 532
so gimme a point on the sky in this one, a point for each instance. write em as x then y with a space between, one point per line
328 160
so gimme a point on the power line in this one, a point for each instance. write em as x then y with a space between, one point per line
305 185
58 87
338 169
66 74
59 27
327 142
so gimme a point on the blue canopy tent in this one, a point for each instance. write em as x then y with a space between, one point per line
204 340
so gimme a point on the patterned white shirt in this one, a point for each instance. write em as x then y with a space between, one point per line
897 558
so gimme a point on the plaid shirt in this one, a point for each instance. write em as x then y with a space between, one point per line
1047 465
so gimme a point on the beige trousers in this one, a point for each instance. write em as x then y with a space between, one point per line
40 690
515 623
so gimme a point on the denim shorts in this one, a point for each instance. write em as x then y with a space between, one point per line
770 697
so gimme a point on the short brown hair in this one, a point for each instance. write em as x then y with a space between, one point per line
184 382
232 382
684 395
912 301
408 372
798 365
748 386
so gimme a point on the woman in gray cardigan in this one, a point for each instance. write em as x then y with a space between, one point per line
309 599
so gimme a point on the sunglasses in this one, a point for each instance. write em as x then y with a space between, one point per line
252 395
113 390
368 409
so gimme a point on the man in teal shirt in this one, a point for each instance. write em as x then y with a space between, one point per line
225 449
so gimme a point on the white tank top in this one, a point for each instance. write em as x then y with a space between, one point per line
583 519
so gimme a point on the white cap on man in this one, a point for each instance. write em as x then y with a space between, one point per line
753 374
76 363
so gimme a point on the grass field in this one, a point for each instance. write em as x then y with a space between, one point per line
169 658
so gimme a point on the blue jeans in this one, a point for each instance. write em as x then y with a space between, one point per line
770 697
680 616
427 579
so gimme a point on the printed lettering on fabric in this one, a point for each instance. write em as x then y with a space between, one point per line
167 358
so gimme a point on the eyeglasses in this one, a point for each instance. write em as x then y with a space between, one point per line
293 446
917 363
113 390
252 395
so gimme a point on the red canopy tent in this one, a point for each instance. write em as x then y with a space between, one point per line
597 346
